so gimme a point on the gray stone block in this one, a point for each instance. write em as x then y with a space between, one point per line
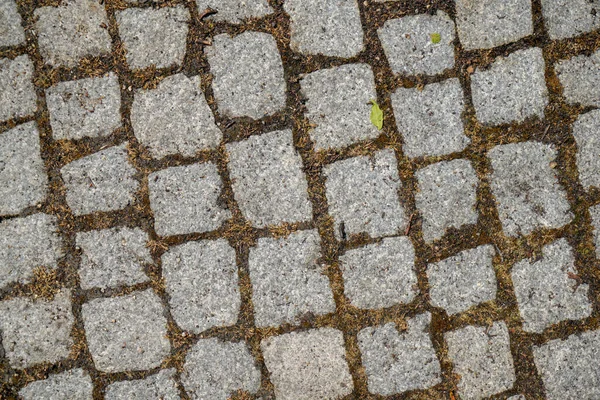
580 76
331 28
127 332
595 214
23 179
528 195
89 107
569 18
462 281
308 365
17 94
287 281
380 275
409 47
186 199
585 131
160 386
248 75
11 31
399 361
430 120
36 331
235 11
103 181
267 178
511 89
174 118
74 384
202 283
363 195
338 105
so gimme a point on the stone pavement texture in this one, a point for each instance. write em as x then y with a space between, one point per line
195 203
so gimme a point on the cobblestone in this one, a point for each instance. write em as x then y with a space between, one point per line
74 384
595 214
159 386
234 10
578 76
17 94
568 18
11 31
585 131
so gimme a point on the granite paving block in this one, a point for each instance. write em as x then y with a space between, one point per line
380 275
74 384
174 118
398 361
201 279
248 75
11 31
160 386
579 76
17 94
569 18
595 214
235 11
585 131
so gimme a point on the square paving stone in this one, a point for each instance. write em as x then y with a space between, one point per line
235 11
409 47
446 197
595 214
481 357
338 105
17 94
158 386
399 361
186 199
462 281
380 275
127 332
569 367
528 195
112 257
88 107
215 370
28 243
154 36
331 28
36 331
23 179
71 31
568 18
287 281
11 31
485 24
545 291
308 365
174 118
430 120
248 75
74 384
103 181
580 76
585 130
511 89
202 284
267 178
363 195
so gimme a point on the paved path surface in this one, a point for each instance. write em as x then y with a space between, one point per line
197 205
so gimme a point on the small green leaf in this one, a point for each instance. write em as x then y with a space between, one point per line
435 37
376 115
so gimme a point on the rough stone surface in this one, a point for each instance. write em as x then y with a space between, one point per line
446 197
154 36
267 179
28 243
409 48
74 384
234 10
595 214
462 281
569 18
569 368
215 370
174 118
287 281
23 179
331 28
186 199
338 105
380 275
126 332
511 89
585 131
527 191
17 94
72 31
11 31
88 107
248 75
399 361
112 257
579 76
308 365
36 331
485 24
160 386
202 283
363 195
430 120
103 181
481 356
545 290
